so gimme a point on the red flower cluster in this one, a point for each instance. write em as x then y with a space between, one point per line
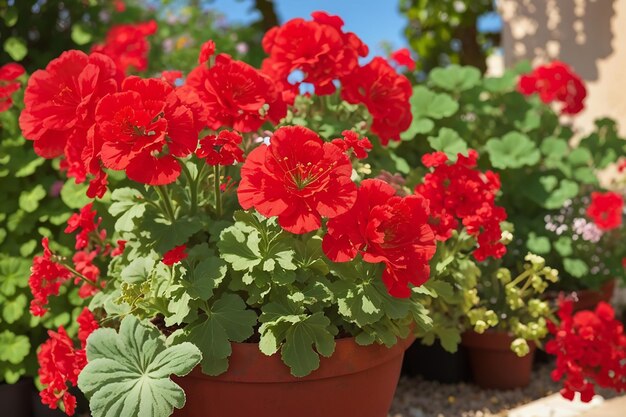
46 278
386 95
60 102
8 85
175 255
236 95
319 49
298 178
385 228
60 363
222 149
555 82
351 141
403 58
460 191
590 348
144 127
127 45
206 51
606 210
85 220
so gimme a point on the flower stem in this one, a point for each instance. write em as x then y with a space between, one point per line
218 193
79 275
165 197
193 184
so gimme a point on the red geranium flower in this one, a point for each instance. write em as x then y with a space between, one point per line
385 228
127 45
555 82
590 349
83 264
236 95
222 149
171 77
175 255
87 324
319 49
461 192
606 210
298 178
59 107
143 128
8 73
386 95
46 278
85 220
60 363
351 141
403 57
206 51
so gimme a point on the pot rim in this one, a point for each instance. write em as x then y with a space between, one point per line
247 364
491 340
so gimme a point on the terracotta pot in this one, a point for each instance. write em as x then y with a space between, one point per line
15 398
588 299
493 363
354 381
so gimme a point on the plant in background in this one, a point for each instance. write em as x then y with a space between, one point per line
587 231
247 217
36 202
446 32
514 304
521 138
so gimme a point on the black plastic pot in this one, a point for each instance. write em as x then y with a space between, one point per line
434 363
15 399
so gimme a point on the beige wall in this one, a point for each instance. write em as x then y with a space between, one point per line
590 35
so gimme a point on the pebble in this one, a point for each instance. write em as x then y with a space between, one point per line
416 397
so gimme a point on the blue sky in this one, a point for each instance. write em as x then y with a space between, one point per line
375 21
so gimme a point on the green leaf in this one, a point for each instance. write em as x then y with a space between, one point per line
239 246
80 35
547 191
564 246
138 270
13 310
29 167
513 150
74 195
16 48
505 83
205 277
14 273
450 338
228 320
128 205
575 267
298 350
29 200
538 244
455 78
168 235
128 373
448 141
13 348
426 103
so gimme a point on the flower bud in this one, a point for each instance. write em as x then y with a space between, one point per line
520 347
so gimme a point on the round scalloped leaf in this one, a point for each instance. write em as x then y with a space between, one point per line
513 150
128 373
455 78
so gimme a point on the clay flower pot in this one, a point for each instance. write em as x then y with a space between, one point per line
355 381
588 299
494 364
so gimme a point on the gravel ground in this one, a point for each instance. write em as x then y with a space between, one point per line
418 398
